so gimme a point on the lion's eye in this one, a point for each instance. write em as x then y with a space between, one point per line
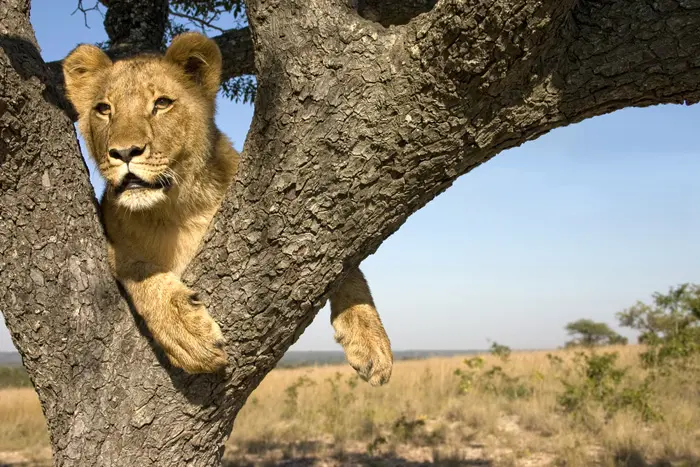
162 103
103 108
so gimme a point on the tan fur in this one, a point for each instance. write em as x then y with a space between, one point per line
152 117
360 331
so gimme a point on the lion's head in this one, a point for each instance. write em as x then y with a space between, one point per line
148 120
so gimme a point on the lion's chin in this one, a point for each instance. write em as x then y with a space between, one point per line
141 199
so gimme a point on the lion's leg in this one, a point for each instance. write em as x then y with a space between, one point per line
179 323
360 331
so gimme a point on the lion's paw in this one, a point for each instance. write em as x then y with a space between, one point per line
370 355
191 338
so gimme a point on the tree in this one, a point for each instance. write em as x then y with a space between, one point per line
590 333
670 325
356 126
667 314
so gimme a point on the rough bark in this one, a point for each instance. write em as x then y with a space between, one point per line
237 50
393 12
136 26
356 126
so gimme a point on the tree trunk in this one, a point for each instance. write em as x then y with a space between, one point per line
356 126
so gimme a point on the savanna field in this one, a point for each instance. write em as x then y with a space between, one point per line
568 407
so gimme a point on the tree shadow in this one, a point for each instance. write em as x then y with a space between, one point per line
634 458
387 460
26 60
310 453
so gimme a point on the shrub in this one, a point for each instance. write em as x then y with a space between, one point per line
493 380
670 327
602 383
291 404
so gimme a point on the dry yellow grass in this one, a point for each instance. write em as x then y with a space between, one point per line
332 412
326 414
22 425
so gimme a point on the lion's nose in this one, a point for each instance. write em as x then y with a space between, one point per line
126 154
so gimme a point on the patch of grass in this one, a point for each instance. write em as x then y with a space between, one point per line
325 414
22 425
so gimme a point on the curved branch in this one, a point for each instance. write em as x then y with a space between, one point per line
548 64
628 53
356 127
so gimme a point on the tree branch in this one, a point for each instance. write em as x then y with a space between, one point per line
136 26
237 51
81 8
202 22
628 53
356 127
576 60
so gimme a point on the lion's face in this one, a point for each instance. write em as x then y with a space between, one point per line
146 120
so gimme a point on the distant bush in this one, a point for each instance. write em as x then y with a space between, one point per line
14 377
498 382
501 351
493 380
468 377
589 333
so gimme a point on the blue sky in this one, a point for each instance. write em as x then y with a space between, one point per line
580 223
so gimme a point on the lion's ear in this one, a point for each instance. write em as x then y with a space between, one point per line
79 69
200 58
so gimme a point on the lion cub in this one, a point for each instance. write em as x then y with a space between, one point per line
148 122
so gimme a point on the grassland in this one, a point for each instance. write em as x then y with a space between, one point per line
427 414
